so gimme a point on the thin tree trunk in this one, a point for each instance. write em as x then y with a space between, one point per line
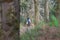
46 11
0 14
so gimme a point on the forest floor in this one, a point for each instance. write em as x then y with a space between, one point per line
47 33
51 33
25 28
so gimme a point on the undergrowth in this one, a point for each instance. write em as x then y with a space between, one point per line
32 34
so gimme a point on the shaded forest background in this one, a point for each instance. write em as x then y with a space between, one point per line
44 14
45 17
40 10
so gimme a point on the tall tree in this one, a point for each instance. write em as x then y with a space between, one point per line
36 5
46 11
13 16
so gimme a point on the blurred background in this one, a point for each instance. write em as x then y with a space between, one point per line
29 19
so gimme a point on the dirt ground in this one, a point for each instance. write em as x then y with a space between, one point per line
50 33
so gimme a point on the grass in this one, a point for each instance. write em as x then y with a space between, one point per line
30 35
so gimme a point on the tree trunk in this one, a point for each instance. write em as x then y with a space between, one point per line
36 5
7 29
57 13
0 14
17 9
46 11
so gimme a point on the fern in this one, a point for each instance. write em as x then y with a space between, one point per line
54 21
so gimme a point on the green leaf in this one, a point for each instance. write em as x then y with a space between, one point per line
54 20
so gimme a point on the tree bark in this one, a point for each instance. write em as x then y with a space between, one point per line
6 28
46 11
36 5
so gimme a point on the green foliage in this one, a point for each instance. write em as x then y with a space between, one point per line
54 21
31 34
24 4
22 19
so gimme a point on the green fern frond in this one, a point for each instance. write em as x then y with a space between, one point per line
54 20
